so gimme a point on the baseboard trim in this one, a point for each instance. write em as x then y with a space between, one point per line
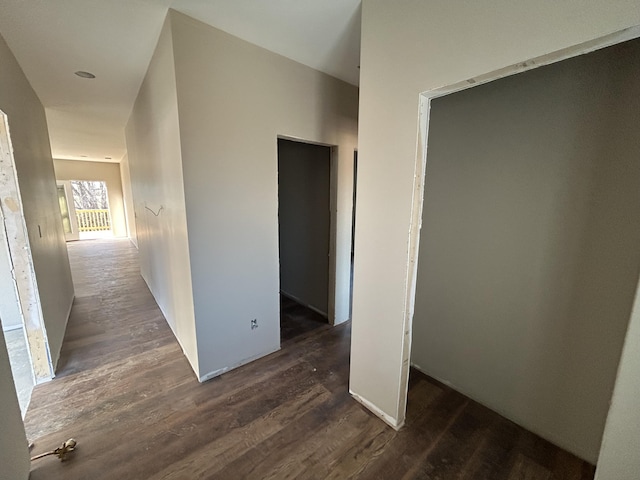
220 371
303 303
392 422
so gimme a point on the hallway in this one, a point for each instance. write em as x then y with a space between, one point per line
126 393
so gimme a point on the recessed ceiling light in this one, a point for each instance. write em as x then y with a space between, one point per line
107 158
83 156
82 74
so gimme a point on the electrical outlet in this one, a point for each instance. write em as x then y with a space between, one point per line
254 324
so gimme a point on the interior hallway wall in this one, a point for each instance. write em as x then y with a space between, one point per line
127 195
529 244
34 165
410 47
234 99
98 171
155 163
304 179
36 179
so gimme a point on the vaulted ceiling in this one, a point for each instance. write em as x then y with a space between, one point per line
115 39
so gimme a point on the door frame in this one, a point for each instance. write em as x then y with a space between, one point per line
73 219
14 233
333 201
420 166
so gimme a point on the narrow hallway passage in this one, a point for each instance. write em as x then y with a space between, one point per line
126 393
118 348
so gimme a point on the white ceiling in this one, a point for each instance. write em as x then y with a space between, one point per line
115 39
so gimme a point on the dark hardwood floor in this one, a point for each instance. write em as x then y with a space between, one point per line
125 392
296 319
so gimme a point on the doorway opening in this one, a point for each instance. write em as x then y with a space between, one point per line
20 310
89 209
526 270
304 233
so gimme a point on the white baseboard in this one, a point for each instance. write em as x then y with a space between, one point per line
389 420
220 371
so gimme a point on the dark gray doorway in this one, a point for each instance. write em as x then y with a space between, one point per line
304 179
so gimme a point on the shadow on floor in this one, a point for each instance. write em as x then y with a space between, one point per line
296 319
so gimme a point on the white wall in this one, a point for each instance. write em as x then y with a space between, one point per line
234 99
32 156
99 172
127 194
36 178
304 177
529 243
619 459
409 47
153 145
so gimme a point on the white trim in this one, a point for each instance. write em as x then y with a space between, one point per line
220 371
388 419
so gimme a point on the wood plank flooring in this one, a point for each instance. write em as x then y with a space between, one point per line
126 393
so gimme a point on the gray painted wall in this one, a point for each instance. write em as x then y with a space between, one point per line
529 245
304 220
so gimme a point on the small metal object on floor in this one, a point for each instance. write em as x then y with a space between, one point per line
61 452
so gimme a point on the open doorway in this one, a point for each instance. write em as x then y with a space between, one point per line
304 224
20 309
528 250
90 207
